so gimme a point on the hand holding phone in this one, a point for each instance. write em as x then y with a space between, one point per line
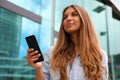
32 43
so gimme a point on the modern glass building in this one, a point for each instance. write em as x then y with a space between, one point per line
10 33
11 66
42 18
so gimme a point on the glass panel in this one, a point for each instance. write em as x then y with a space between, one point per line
32 5
13 46
13 30
115 49
117 2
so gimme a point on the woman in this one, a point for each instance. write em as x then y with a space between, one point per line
77 54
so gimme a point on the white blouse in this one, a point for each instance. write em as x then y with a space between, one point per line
74 73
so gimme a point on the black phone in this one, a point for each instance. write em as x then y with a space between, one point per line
32 43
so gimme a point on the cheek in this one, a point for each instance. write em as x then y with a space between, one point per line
78 23
64 28
64 23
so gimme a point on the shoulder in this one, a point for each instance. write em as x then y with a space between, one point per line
47 56
49 52
105 65
105 59
104 55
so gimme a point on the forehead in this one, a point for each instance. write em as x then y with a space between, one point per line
69 10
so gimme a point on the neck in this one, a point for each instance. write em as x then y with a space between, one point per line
75 39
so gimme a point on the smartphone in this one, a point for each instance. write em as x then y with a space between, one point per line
32 43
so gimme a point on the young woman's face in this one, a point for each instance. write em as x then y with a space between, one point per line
71 21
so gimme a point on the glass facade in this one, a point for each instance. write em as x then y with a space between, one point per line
15 69
10 31
33 6
14 28
11 67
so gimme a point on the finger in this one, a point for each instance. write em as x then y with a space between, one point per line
32 53
29 58
34 56
37 55
32 60
30 50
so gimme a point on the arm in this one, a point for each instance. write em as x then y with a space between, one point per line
39 74
43 73
32 56
42 68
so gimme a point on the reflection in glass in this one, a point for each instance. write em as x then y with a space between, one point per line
11 67
32 5
13 30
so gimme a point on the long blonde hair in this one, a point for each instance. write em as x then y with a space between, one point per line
90 53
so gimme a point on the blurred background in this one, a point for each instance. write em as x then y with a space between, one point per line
21 18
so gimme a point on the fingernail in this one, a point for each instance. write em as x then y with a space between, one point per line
36 51
32 49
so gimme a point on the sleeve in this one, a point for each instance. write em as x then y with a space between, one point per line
105 64
46 64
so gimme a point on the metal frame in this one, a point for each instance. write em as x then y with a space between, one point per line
20 11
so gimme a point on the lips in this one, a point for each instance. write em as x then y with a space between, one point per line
69 24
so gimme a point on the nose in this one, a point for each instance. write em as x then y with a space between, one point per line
69 18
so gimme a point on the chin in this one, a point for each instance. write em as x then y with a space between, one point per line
70 32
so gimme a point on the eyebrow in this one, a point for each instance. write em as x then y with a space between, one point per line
71 12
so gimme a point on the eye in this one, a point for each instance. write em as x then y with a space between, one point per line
74 14
65 16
